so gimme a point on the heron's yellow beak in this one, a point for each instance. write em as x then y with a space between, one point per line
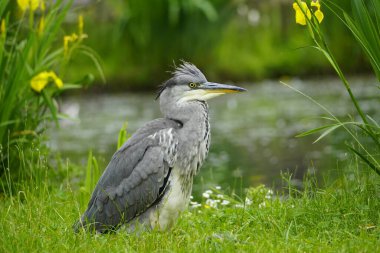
220 88
208 90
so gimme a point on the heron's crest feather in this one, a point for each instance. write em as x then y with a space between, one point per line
185 69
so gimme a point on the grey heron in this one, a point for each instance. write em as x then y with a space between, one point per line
148 181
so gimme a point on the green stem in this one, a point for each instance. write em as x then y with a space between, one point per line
313 26
346 84
31 19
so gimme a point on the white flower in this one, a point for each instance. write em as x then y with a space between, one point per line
220 196
194 204
206 195
239 205
225 202
248 202
269 194
191 197
212 203
218 187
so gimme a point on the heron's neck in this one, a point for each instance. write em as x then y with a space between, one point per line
194 137
194 112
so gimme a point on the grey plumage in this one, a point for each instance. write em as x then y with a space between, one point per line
149 179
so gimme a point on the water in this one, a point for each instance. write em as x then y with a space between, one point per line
253 134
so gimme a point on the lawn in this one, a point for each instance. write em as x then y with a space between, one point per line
341 217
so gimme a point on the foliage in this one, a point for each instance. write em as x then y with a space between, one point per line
364 25
234 40
91 178
34 57
343 217
145 37
123 135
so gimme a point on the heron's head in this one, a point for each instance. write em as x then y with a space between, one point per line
188 84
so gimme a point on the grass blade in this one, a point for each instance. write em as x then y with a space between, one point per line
369 163
315 130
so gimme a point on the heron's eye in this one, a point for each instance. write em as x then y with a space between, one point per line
193 85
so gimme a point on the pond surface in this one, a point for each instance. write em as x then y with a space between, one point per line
253 133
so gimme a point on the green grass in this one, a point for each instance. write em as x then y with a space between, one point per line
342 217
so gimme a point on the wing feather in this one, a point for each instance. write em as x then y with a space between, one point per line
135 178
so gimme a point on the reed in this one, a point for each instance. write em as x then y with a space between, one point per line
34 56
363 22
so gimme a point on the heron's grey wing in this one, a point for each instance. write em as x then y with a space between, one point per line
135 179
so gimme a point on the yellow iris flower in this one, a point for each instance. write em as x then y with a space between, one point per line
300 16
29 4
3 29
41 25
74 37
318 13
39 82
80 24
69 38
303 8
43 7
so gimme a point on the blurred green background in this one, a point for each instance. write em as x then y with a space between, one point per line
231 41
253 43
240 40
